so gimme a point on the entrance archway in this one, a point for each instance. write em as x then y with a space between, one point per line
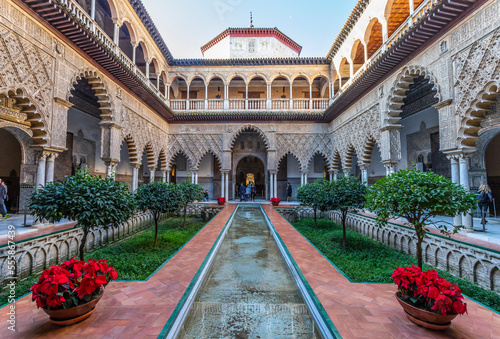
492 162
251 169
10 167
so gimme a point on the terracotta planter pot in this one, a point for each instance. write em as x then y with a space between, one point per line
73 315
425 318
220 203
275 203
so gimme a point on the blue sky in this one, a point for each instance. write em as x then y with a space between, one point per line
186 25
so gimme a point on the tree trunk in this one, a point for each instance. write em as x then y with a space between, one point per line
185 210
419 251
315 225
156 230
83 242
344 236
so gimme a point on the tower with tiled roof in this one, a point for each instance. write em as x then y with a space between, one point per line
251 43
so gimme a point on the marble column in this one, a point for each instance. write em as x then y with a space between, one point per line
49 175
196 177
335 174
455 178
222 185
227 186
168 176
110 169
163 176
40 170
135 176
463 163
364 175
152 171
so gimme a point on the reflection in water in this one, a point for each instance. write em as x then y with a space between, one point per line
249 292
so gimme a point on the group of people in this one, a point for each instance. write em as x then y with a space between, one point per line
3 197
247 192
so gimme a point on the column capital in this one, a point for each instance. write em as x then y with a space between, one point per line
136 165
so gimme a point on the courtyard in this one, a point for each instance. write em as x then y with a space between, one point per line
244 169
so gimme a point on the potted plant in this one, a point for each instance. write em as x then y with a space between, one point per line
221 200
68 293
275 201
428 300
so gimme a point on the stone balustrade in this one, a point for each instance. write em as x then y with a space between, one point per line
475 263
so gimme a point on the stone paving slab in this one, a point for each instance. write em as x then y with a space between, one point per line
128 309
361 310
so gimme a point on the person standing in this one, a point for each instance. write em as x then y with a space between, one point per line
289 192
3 196
484 199
242 192
247 193
252 192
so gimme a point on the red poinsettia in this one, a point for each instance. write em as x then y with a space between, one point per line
275 200
72 283
429 291
221 199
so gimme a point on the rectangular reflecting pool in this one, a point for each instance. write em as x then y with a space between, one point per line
249 291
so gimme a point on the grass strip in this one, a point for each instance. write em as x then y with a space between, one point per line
366 260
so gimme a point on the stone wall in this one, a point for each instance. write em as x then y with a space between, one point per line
477 264
37 254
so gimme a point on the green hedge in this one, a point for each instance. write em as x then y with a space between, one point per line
366 260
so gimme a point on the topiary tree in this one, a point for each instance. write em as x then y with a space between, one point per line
189 193
346 194
158 198
89 200
313 195
417 197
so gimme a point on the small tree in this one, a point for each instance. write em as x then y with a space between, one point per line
189 193
346 194
313 195
158 197
417 197
89 200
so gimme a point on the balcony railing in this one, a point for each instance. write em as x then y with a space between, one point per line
278 105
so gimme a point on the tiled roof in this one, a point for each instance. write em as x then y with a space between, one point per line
253 31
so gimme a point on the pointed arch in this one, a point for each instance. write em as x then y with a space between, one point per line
171 160
162 160
323 154
349 154
284 155
366 156
208 151
132 149
27 105
100 89
336 161
470 123
150 154
252 128
401 85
